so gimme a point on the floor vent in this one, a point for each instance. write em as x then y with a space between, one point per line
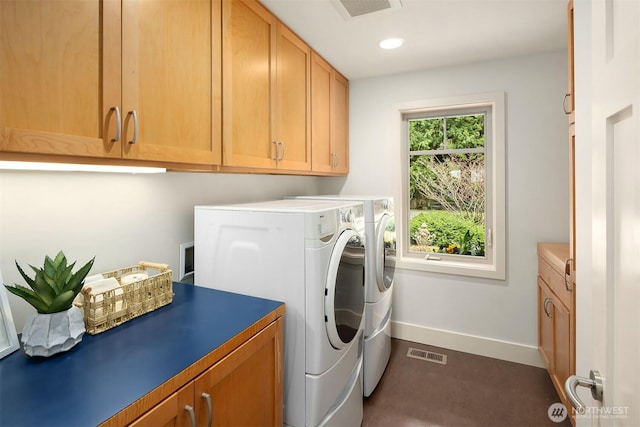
429 356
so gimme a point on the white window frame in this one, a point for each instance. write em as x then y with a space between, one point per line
493 265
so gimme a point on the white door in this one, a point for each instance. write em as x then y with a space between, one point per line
615 257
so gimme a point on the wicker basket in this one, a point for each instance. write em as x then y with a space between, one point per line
105 310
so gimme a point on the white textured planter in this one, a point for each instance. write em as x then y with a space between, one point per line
48 334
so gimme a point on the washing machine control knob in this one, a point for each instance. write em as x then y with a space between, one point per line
347 215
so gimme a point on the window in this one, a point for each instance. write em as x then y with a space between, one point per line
452 191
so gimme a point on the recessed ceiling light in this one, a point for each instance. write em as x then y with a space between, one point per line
391 43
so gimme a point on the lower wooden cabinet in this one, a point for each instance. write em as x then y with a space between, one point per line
556 315
173 411
244 388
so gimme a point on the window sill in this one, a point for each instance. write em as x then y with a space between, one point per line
485 271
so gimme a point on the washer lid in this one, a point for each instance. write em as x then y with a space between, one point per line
344 289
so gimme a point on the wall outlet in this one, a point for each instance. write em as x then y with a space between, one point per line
187 252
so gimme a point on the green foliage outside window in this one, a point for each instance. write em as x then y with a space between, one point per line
446 232
447 186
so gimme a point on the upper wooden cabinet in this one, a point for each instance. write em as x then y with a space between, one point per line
266 73
572 142
569 100
59 68
171 78
124 81
71 69
293 106
330 118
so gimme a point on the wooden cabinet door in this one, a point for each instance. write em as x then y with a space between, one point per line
321 77
329 118
569 102
292 117
545 324
249 34
562 343
171 80
60 68
245 388
340 123
572 200
171 412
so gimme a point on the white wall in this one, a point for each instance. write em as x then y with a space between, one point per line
122 219
495 318
119 218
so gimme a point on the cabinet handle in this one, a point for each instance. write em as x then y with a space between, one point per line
192 414
135 126
564 103
544 307
118 124
207 397
567 272
278 151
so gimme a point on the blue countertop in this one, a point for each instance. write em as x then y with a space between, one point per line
107 372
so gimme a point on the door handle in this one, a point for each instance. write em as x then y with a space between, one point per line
594 382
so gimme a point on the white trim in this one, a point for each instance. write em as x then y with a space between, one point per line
495 268
481 346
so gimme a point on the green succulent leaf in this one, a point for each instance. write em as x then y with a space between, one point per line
38 284
49 268
29 296
60 260
62 302
54 286
42 288
77 279
65 275
26 278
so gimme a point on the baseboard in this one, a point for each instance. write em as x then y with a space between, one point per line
503 350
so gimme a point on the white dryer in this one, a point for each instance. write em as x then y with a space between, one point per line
380 268
310 255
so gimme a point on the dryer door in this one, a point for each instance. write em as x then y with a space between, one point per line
344 289
385 252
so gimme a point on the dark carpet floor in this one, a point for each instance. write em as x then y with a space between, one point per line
468 391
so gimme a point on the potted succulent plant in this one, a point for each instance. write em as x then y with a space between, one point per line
58 325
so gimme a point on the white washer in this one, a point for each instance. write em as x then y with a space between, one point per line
380 270
310 255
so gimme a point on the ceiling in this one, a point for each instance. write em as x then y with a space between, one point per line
437 33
